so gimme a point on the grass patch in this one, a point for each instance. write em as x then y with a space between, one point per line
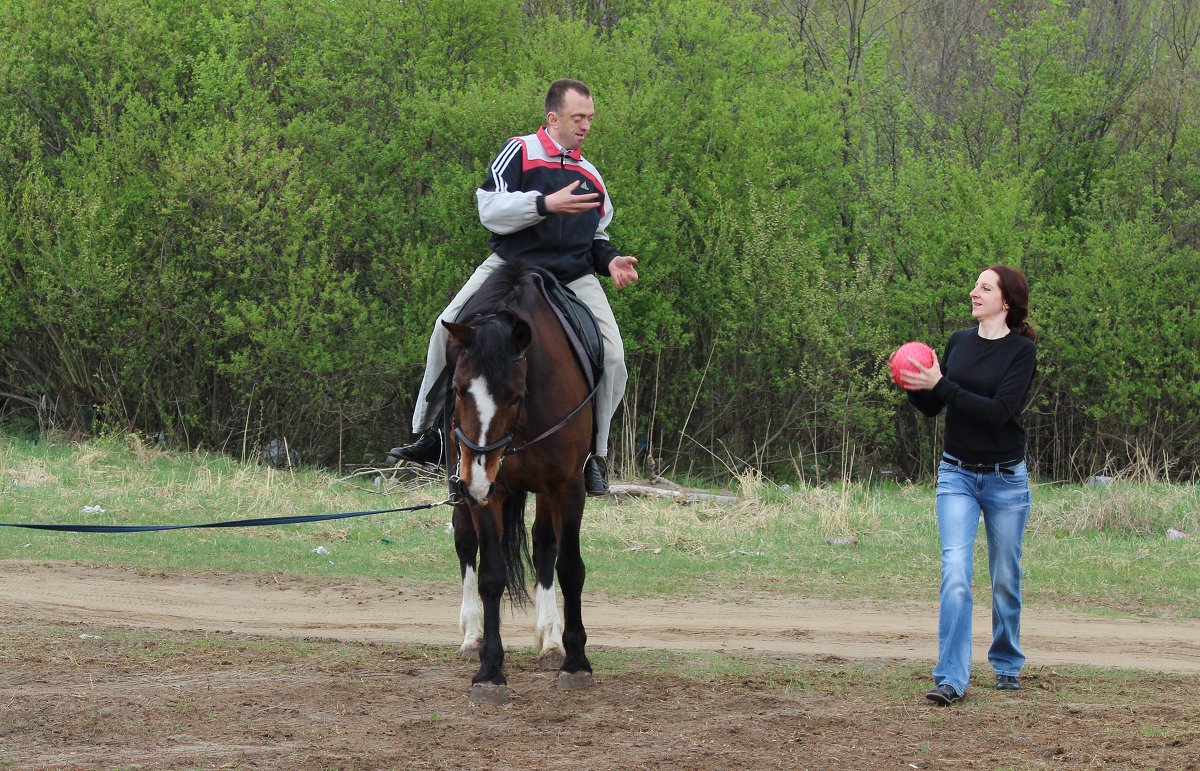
843 541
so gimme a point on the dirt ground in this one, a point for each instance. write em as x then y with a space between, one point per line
105 668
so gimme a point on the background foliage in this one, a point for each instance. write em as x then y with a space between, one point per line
228 221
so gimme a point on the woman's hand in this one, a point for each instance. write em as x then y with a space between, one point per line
924 379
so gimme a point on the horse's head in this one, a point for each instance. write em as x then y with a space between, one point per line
488 355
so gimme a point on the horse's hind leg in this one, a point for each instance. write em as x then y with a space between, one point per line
576 670
470 613
548 629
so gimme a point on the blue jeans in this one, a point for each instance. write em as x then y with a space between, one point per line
1004 501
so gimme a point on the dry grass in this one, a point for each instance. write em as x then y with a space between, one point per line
1125 507
29 473
1135 499
707 527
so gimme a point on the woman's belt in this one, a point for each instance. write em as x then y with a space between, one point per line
1004 467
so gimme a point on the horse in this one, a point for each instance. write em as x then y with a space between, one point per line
520 422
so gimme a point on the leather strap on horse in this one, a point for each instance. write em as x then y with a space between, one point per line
556 426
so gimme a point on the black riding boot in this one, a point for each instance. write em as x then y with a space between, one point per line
427 449
595 475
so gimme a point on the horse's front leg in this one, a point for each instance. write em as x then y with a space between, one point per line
576 670
470 613
489 685
548 630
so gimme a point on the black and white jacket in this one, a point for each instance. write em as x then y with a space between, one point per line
511 206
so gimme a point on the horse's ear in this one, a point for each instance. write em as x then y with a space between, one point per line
522 335
460 332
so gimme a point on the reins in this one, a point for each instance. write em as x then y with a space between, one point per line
556 427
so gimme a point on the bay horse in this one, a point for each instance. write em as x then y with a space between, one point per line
520 422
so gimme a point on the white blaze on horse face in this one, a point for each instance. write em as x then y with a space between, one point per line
547 634
470 615
485 408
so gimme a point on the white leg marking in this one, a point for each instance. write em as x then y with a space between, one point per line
548 632
470 615
485 407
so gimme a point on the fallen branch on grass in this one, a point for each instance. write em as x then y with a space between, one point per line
620 490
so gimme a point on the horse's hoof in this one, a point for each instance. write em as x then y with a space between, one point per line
551 659
492 694
470 652
570 680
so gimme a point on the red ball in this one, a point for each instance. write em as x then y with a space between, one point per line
900 359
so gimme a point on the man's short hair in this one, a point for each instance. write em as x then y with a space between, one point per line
556 95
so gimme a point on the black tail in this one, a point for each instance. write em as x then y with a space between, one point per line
516 549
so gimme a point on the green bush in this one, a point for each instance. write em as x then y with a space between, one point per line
230 221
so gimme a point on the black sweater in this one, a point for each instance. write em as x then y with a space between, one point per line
984 387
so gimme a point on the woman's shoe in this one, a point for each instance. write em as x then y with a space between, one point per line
1007 683
944 694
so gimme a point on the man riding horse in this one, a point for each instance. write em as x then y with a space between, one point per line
547 207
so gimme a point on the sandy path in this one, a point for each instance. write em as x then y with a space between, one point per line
373 611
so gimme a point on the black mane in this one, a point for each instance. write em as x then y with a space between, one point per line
492 311
498 292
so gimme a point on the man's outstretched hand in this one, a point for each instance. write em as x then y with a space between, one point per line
622 271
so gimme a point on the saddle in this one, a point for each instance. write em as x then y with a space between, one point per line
578 322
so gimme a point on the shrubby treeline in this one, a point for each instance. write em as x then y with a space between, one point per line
226 221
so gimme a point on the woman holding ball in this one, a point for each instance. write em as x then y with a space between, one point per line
983 386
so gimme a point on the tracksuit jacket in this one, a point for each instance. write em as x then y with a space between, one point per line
512 207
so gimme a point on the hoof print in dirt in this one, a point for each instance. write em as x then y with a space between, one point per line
570 680
490 694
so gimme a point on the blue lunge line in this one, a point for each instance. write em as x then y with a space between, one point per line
256 522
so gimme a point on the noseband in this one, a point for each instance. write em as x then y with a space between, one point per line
503 441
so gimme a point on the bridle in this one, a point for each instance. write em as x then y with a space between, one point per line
503 441
506 442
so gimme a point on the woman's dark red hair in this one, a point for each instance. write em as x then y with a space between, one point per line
1014 288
